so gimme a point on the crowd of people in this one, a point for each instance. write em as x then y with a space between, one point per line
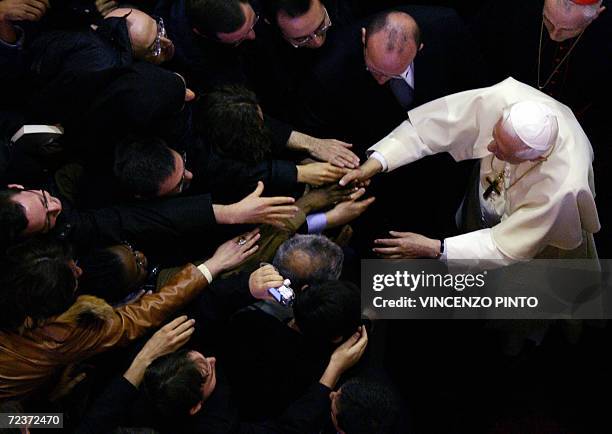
164 164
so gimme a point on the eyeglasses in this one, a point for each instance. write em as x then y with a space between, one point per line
137 259
45 203
319 33
156 47
246 35
47 217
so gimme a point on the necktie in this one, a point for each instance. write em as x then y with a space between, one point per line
404 93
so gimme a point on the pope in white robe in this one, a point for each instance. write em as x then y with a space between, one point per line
535 195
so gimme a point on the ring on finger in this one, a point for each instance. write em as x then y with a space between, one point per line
242 241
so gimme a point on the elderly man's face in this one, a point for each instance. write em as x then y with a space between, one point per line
563 24
504 146
385 65
308 30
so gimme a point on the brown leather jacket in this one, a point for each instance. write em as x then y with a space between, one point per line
30 361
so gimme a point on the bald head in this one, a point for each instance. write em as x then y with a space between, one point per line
391 42
143 31
309 259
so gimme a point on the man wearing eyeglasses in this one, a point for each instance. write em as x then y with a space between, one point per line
24 213
302 23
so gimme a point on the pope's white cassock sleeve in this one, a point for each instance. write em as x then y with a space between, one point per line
551 206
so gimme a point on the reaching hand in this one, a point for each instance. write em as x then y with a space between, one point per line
324 197
233 252
168 339
257 209
407 245
23 10
349 353
69 379
318 174
363 172
345 212
106 6
333 151
262 279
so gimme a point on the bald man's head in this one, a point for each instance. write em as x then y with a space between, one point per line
391 42
147 35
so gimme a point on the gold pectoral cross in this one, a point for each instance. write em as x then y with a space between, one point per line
494 185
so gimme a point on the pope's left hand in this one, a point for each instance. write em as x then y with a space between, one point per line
407 245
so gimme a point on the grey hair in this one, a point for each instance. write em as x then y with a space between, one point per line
589 11
309 259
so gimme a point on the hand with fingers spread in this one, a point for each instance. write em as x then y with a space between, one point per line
106 6
320 198
256 209
233 252
333 151
262 279
318 174
22 10
166 340
407 245
345 212
345 357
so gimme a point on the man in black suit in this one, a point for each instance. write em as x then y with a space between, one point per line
359 90
378 69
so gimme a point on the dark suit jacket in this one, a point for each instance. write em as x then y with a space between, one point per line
343 100
153 226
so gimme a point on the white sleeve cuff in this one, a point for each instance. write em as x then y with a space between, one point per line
477 246
378 156
206 272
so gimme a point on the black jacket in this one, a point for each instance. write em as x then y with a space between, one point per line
343 100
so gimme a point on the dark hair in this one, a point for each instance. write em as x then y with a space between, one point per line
13 220
309 260
367 407
231 122
381 21
104 275
141 166
210 17
173 385
326 311
292 8
36 281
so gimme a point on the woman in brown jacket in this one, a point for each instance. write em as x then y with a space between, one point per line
43 328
